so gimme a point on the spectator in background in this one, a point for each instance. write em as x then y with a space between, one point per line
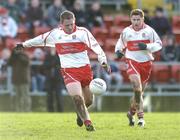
34 16
178 52
21 78
68 4
96 70
168 52
79 13
115 78
14 10
8 26
160 23
95 15
4 56
147 18
54 82
22 4
37 75
2 72
53 13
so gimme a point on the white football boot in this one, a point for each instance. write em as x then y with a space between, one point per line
141 122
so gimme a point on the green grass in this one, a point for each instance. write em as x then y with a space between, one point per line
109 126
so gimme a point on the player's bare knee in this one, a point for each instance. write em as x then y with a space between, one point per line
137 87
135 84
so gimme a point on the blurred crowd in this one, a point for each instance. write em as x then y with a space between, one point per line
20 20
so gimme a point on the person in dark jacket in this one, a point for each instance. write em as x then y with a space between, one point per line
19 61
160 23
54 84
53 13
81 15
34 16
169 51
95 15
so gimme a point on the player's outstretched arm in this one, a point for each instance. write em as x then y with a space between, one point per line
42 40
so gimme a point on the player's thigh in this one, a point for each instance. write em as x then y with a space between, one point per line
87 93
74 88
135 81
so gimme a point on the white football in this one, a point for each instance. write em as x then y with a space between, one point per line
97 86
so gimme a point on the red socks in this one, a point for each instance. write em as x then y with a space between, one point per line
140 115
87 122
132 111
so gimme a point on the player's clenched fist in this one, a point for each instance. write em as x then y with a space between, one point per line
19 46
107 68
142 46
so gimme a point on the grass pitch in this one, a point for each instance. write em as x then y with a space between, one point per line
109 126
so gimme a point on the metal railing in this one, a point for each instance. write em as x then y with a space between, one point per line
156 89
166 89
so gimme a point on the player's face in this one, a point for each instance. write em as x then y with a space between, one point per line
68 25
137 22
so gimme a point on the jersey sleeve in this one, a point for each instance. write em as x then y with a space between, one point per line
94 45
156 45
42 40
120 45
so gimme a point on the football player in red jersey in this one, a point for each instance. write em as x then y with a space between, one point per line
71 43
137 43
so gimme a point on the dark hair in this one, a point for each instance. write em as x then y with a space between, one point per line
159 9
66 15
137 12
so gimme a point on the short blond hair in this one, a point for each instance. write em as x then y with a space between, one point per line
137 12
66 15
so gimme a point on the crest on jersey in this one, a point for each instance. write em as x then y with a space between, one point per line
73 36
143 35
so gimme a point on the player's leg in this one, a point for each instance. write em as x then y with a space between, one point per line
140 113
88 97
132 112
75 91
136 99
145 74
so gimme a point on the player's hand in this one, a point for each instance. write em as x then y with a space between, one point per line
107 68
142 46
119 54
19 46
